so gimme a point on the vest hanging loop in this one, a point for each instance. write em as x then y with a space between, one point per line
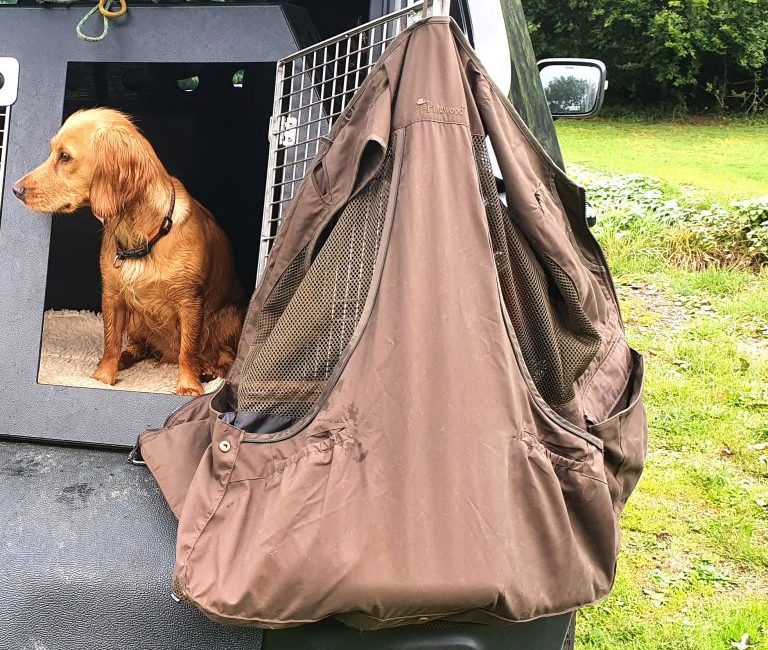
438 8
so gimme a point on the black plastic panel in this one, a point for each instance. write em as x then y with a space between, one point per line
87 549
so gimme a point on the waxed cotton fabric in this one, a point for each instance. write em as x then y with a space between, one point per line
430 478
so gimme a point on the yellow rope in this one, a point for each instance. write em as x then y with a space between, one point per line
104 10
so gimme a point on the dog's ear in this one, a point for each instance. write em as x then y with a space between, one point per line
125 167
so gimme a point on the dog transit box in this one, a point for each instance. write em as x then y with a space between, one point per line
206 105
204 102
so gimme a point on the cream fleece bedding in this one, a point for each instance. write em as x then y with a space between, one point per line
72 346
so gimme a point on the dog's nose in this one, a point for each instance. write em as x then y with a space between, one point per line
19 190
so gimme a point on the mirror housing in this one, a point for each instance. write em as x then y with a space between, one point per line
573 87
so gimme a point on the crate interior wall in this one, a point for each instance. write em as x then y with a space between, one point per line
210 134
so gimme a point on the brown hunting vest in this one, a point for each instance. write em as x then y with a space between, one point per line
434 413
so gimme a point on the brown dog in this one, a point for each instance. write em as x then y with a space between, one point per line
172 291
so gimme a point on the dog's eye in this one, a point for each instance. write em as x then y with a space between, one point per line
64 157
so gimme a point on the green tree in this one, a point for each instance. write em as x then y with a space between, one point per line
698 52
569 94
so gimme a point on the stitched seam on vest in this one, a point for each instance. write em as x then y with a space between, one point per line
552 456
214 509
426 119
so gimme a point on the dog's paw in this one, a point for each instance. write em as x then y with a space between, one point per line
127 359
105 375
191 391
214 372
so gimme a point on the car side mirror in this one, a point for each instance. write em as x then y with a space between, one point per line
573 87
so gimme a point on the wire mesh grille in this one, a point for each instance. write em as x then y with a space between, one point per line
556 337
312 312
313 87
5 114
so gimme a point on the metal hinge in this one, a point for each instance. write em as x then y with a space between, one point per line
285 128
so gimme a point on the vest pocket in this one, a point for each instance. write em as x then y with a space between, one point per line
625 437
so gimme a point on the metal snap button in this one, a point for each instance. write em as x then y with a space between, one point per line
225 446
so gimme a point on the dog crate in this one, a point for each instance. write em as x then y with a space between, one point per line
199 82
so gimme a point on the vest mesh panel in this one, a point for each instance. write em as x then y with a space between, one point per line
314 308
556 337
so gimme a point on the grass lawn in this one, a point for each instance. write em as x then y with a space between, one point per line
724 161
693 572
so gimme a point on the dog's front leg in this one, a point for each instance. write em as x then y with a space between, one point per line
191 321
113 313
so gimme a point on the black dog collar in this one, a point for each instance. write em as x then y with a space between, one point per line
123 254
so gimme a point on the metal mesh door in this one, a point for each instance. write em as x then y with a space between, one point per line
312 88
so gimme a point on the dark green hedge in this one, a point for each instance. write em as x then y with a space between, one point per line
695 54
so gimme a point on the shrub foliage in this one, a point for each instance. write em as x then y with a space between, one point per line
691 233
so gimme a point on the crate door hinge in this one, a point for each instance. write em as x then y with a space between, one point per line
285 128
